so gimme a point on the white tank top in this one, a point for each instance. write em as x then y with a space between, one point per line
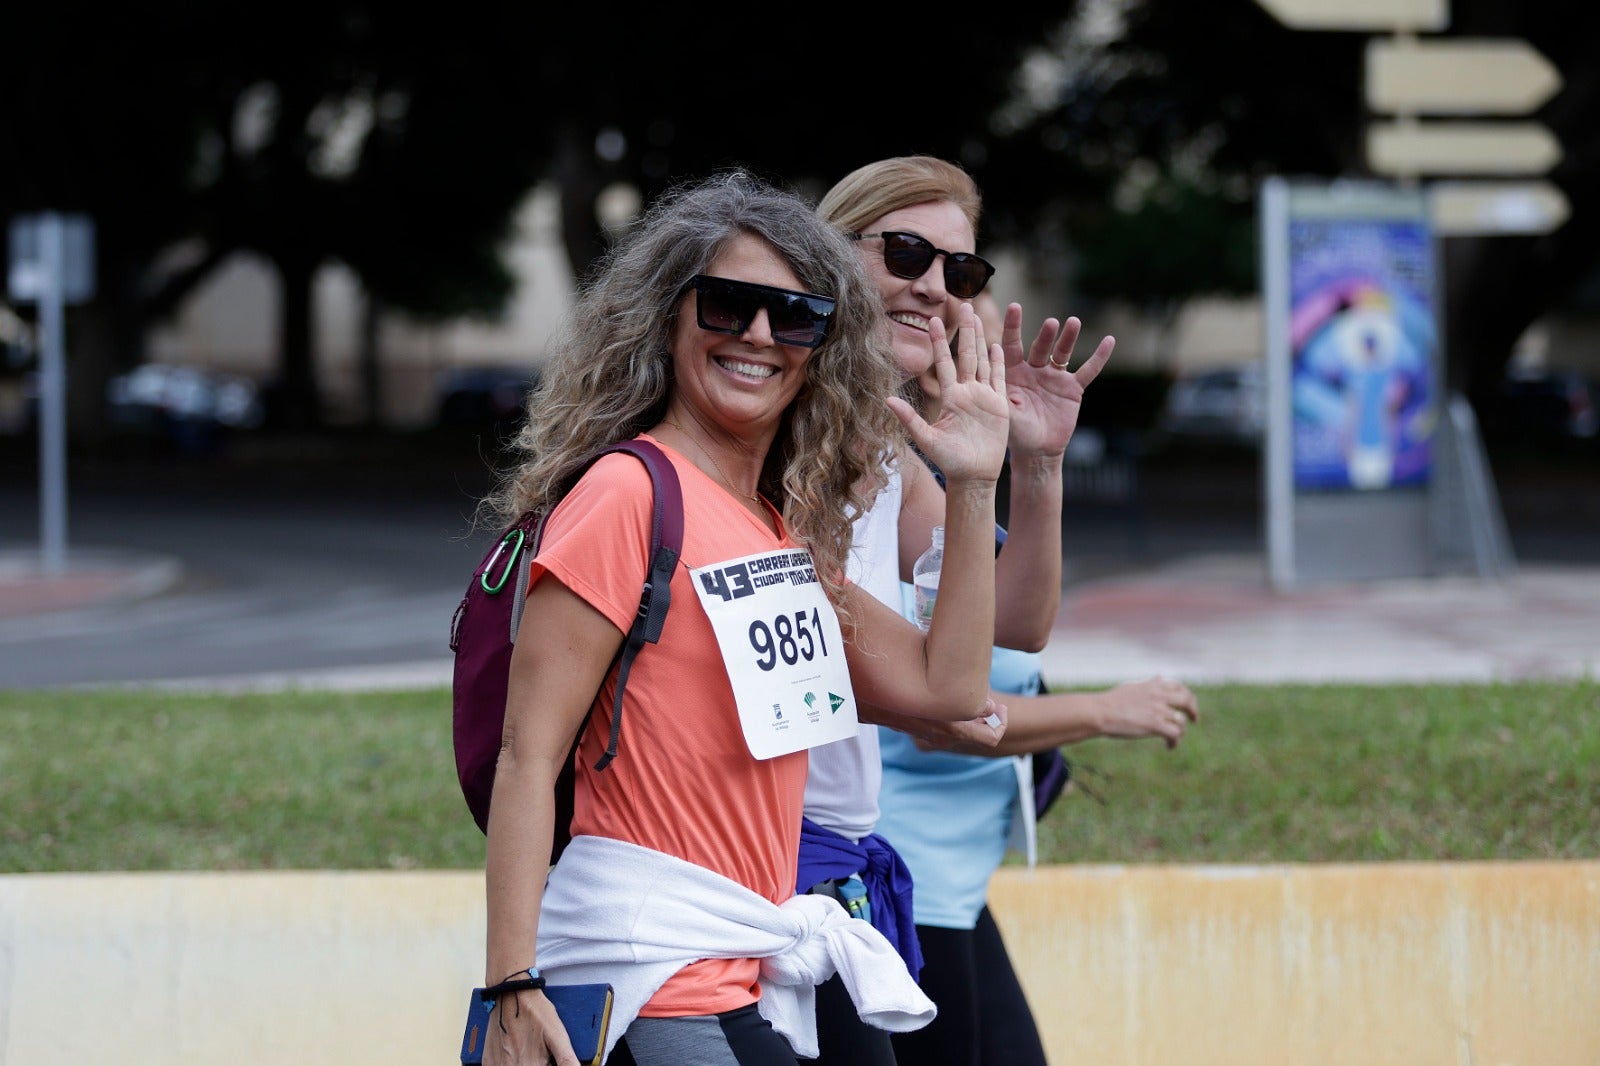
845 776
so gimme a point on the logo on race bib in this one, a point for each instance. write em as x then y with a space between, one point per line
746 578
836 702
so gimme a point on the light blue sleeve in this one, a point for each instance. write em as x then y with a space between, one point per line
948 815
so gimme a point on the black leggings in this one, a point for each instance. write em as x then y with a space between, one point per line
983 1017
843 1039
739 1037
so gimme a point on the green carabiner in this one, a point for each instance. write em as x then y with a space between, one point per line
511 561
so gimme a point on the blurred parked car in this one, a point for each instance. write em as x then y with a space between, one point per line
19 377
19 403
189 407
484 398
1543 405
1222 405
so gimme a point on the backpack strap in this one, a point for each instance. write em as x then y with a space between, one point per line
666 542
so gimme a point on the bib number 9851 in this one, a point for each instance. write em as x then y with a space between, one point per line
802 637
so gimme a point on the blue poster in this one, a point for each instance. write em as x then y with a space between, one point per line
1362 336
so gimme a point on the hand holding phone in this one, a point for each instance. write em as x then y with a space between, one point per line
585 1011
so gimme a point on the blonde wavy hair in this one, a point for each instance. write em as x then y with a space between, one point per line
869 192
610 374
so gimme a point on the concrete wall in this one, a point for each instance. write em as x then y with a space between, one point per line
1413 964
1458 964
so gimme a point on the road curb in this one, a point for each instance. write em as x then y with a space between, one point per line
88 578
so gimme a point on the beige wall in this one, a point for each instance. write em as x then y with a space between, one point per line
230 324
1446 964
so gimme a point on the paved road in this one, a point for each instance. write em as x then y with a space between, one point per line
278 573
327 570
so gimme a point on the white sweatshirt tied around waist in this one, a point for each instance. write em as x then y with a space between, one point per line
620 914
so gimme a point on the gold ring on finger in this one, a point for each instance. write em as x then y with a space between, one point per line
1058 366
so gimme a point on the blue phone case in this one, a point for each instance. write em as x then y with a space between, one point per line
585 1011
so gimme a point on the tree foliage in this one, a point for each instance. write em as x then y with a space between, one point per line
800 98
399 140
1214 97
380 136
1126 137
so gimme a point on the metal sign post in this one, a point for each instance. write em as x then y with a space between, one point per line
52 400
52 264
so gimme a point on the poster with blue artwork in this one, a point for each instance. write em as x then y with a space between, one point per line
1363 340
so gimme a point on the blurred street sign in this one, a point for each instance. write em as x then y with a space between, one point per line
1446 77
1459 77
1386 15
27 279
1468 208
1410 149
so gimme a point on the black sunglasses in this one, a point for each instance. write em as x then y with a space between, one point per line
908 256
723 305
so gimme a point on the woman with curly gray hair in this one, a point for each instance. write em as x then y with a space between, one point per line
738 332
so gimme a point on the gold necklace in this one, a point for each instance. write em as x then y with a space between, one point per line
726 480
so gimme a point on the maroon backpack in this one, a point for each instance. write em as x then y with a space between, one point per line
485 625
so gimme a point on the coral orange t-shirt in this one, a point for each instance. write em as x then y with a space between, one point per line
684 781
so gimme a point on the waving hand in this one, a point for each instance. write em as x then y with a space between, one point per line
967 439
1044 393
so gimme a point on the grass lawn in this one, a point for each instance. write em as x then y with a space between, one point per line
1303 773
143 779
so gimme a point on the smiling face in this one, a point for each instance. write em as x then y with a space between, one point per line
739 384
911 303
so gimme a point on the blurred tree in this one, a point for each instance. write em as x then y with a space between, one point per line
654 96
1125 138
1161 244
400 140
107 123
379 136
1214 97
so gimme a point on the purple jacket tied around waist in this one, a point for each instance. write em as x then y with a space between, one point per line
825 855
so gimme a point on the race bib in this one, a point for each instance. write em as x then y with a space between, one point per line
784 653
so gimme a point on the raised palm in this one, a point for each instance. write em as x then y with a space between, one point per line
967 437
1044 394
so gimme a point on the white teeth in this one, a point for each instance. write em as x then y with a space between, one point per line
750 370
908 319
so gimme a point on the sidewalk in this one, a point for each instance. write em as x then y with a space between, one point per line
87 579
1201 619
1216 618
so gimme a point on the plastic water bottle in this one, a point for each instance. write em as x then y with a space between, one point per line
925 578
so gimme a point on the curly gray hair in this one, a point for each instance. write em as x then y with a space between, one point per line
610 376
